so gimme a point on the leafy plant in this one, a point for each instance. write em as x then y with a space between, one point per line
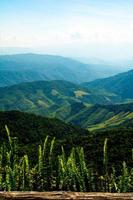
60 172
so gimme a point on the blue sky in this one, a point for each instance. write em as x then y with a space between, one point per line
93 28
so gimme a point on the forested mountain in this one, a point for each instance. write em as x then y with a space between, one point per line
121 85
103 151
18 68
31 130
32 67
103 116
66 101
52 98
8 77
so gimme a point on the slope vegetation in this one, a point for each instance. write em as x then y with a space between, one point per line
30 130
49 98
121 85
103 116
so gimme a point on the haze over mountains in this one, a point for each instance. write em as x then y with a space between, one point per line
31 67
19 68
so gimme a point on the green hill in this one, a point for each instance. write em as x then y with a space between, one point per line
121 85
48 98
103 116
31 130
66 101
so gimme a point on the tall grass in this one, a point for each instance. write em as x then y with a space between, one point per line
60 172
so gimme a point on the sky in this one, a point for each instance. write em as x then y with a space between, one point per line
76 28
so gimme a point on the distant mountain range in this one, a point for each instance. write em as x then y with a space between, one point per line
32 67
20 68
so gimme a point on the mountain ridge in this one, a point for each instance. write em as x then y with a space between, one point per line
66 101
18 68
121 84
47 67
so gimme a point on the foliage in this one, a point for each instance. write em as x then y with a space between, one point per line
57 98
28 131
59 172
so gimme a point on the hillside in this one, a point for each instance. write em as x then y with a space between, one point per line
66 101
19 68
8 77
31 130
49 98
103 116
121 85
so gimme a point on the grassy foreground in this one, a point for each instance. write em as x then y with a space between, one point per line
59 172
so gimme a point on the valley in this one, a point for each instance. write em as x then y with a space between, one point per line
43 112
69 102
66 99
